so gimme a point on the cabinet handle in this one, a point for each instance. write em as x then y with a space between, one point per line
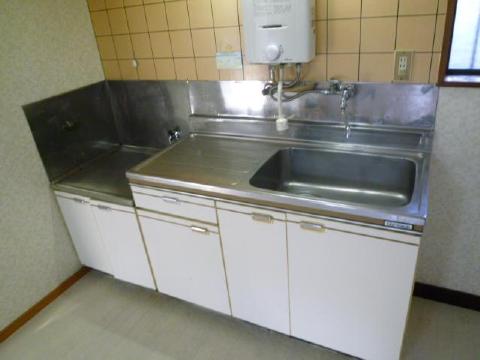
199 229
104 208
313 227
262 218
80 201
170 200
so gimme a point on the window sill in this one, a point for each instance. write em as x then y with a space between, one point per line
460 81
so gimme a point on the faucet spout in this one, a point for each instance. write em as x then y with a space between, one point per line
346 91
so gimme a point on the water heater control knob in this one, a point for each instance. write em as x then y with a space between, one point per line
273 52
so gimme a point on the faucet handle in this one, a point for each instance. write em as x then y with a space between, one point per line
334 85
174 135
347 86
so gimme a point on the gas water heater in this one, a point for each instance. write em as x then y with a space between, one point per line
279 31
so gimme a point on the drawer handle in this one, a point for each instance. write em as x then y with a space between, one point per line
313 227
262 218
199 229
170 200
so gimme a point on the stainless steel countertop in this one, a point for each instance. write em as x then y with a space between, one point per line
221 166
105 177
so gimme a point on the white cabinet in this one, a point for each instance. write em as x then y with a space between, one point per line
120 232
339 284
186 259
349 292
255 250
80 220
107 238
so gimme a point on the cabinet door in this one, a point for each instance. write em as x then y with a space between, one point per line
186 260
83 229
349 292
121 234
255 250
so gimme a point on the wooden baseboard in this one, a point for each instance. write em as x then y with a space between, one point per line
39 306
447 296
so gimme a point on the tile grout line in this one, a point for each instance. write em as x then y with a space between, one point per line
131 43
360 41
149 38
214 38
317 19
240 38
98 48
191 39
170 40
379 17
114 47
395 41
326 45
433 43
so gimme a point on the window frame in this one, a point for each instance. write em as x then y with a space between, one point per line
445 55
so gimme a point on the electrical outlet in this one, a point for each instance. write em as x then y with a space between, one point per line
403 65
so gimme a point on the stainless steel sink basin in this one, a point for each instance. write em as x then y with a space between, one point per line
339 176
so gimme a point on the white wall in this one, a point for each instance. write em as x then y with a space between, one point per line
450 250
47 47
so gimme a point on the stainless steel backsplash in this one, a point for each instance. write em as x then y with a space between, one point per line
145 110
402 105
74 128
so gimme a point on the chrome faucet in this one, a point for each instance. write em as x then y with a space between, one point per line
335 87
347 91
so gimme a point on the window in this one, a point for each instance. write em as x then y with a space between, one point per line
460 65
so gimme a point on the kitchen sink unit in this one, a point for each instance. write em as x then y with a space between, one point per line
312 232
318 233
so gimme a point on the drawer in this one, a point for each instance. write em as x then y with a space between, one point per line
256 212
174 203
77 198
319 222
102 205
193 225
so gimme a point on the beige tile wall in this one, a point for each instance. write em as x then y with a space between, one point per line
178 39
